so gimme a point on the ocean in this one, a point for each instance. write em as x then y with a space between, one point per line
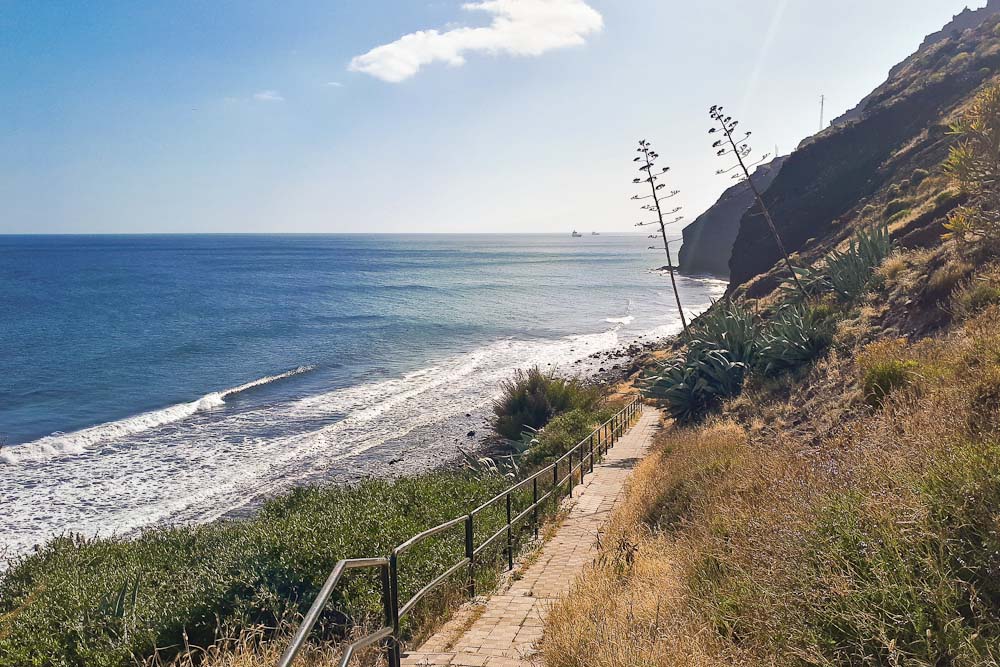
147 380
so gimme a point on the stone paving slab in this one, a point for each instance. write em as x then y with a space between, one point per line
504 630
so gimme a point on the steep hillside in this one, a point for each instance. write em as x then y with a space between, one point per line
823 188
967 19
827 491
708 241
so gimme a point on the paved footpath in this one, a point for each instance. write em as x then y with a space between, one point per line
503 631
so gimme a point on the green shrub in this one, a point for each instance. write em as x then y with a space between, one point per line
884 377
794 337
895 206
960 59
945 197
899 215
562 434
979 296
531 398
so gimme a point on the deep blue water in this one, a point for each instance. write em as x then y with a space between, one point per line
122 396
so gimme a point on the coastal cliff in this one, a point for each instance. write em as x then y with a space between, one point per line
708 241
824 187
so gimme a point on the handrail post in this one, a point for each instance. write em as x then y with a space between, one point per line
394 602
591 452
555 481
534 502
510 538
391 642
570 493
470 553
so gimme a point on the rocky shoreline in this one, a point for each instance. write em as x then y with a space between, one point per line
470 433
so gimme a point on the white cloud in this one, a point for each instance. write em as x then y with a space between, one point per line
334 84
268 96
519 27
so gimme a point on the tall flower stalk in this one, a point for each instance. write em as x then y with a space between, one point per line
647 168
741 150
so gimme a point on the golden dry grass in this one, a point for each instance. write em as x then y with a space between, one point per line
260 647
749 543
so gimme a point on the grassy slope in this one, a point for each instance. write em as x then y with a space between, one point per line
773 535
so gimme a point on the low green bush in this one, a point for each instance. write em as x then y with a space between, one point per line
979 296
531 398
883 377
945 197
898 215
562 434
895 206
919 176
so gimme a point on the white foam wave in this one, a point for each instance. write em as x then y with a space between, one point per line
624 321
67 444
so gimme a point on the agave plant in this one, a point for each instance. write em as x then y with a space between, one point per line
848 273
694 385
729 325
795 336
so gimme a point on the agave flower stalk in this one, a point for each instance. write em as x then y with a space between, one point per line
741 150
647 164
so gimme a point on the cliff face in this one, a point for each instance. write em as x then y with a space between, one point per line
708 241
903 126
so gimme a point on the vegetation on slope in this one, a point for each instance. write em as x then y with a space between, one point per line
844 513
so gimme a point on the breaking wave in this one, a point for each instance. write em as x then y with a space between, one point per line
67 444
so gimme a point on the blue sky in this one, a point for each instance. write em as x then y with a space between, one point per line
251 116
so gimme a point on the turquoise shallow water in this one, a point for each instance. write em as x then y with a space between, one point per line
159 378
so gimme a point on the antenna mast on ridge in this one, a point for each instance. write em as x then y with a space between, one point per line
822 105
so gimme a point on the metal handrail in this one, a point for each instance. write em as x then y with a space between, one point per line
604 436
324 595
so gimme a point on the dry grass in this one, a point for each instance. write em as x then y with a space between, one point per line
262 647
751 544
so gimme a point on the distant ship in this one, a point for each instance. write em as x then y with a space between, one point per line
595 233
577 235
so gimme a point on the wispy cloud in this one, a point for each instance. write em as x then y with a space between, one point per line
519 27
334 84
268 96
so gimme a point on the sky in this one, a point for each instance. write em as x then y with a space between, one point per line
323 116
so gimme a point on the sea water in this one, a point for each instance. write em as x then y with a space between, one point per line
147 380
